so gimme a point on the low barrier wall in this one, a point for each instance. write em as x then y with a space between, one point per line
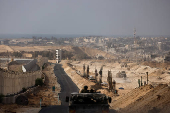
13 82
11 99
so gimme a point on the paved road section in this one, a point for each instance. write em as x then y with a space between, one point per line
67 87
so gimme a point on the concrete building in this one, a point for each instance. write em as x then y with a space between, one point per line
86 39
160 46
92 40
58 55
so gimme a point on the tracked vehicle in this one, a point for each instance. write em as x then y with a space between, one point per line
88 103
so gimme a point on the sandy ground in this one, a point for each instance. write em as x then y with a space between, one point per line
5 48
82 50
156 75
146 99
45 93
152 98
39 48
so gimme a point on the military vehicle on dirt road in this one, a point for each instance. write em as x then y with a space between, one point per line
94 102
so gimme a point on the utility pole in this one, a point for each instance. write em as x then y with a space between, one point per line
84 70
87 72
96 74
109 79
100 72
7 57
147 77
141 81
114 87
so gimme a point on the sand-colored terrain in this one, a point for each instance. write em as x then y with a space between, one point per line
146 99
91 52
35 48
136 71
5 48
77 79
27 55
152 98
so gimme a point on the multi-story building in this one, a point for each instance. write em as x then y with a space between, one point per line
58 55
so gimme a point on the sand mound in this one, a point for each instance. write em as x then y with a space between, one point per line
40 48
91 52
157 73
4 48
77 79
94 52
145 99
157 64
130 97
78 50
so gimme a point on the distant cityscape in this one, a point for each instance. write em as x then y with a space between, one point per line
132 48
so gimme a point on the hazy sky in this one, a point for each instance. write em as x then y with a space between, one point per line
88 17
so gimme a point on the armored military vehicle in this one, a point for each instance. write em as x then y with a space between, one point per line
94 102
121 74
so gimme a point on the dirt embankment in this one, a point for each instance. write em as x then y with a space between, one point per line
78 50
91 52
77 79
146 99
164 66
5 48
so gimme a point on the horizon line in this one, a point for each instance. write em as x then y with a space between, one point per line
92 35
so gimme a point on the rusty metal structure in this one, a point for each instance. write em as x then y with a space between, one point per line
84 68
96 75
87 75
109 80
100 77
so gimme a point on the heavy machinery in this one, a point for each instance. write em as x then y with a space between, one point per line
92 102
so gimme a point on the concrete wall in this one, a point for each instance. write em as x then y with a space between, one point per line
35 64
29 66
13 82
12 99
